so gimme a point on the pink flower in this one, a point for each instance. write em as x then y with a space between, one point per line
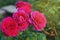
24 6
21 18
20 4
9 27
38 19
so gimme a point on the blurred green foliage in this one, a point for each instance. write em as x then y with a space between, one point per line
50 8
7 2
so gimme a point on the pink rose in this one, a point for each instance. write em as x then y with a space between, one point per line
9 27
20 4
21 18
39 20
24 6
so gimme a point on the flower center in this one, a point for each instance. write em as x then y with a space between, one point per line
10 27
21 19
38 19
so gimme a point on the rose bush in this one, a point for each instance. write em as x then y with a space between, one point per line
22 19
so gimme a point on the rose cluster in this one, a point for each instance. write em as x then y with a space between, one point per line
22 18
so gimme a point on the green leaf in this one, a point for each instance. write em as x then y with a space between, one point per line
41 36
32 36
2 38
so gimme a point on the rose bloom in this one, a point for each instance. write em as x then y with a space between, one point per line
21 19
39 20
20 4
9 27
24 6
